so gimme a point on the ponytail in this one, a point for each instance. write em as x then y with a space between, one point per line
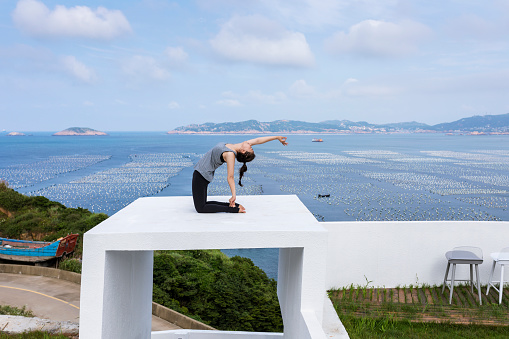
244 157
241 173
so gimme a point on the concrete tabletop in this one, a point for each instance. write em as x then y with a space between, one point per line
160 223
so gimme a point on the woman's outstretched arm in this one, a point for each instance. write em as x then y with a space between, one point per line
262 140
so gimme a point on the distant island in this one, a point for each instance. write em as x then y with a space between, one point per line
16 134
80 131
476 125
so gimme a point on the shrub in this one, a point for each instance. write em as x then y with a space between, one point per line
12 310
70 264
227 293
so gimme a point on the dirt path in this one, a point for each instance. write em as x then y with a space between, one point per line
6 212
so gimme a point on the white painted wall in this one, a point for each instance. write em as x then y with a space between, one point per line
403 253
117 268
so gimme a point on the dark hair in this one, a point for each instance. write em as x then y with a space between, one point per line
244 157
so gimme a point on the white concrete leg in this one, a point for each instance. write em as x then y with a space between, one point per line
92 282
127 294
302 313
313 281
289 291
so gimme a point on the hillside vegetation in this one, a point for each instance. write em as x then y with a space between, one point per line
226 293
38 218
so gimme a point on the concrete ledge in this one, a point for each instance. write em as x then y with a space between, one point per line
178 319
158 310
41 271
199 334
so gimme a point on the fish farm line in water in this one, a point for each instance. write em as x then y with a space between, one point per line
367 184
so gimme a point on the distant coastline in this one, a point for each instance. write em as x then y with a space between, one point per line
334 133
476 125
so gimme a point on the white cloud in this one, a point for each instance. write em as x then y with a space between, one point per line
35 19
173 105
176 55
379 38
355 88
229 103
271 99
259 40
228 94
145 67
371 91
252 96
300 89
88 103
77 69
350 81
308 12
328 13
473 27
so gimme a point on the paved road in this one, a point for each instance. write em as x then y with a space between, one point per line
51 298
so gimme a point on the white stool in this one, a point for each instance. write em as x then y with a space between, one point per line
501 258
463 255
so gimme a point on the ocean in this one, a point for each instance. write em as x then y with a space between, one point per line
344 178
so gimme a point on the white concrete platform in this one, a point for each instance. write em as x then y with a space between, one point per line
116 289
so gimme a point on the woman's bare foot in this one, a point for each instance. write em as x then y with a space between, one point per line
242 209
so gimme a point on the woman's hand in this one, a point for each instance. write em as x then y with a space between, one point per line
232 201
282 140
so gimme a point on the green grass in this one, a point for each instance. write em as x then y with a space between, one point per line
387 327
399 315
12 310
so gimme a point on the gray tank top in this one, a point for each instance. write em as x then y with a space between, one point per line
208 164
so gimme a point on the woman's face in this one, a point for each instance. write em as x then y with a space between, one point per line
245 147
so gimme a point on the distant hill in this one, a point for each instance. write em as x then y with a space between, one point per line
254 126
294 126
485 123
413 125
80 131
475 124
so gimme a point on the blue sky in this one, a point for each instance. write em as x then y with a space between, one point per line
153 65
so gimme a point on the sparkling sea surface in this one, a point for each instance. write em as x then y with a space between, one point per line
362 176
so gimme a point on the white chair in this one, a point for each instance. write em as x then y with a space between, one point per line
501 258
463 255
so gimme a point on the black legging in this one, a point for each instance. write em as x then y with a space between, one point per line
200 198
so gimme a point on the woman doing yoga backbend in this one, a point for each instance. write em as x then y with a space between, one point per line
206 166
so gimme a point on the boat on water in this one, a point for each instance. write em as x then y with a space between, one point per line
317 140
36 251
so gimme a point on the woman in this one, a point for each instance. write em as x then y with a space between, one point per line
206 166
